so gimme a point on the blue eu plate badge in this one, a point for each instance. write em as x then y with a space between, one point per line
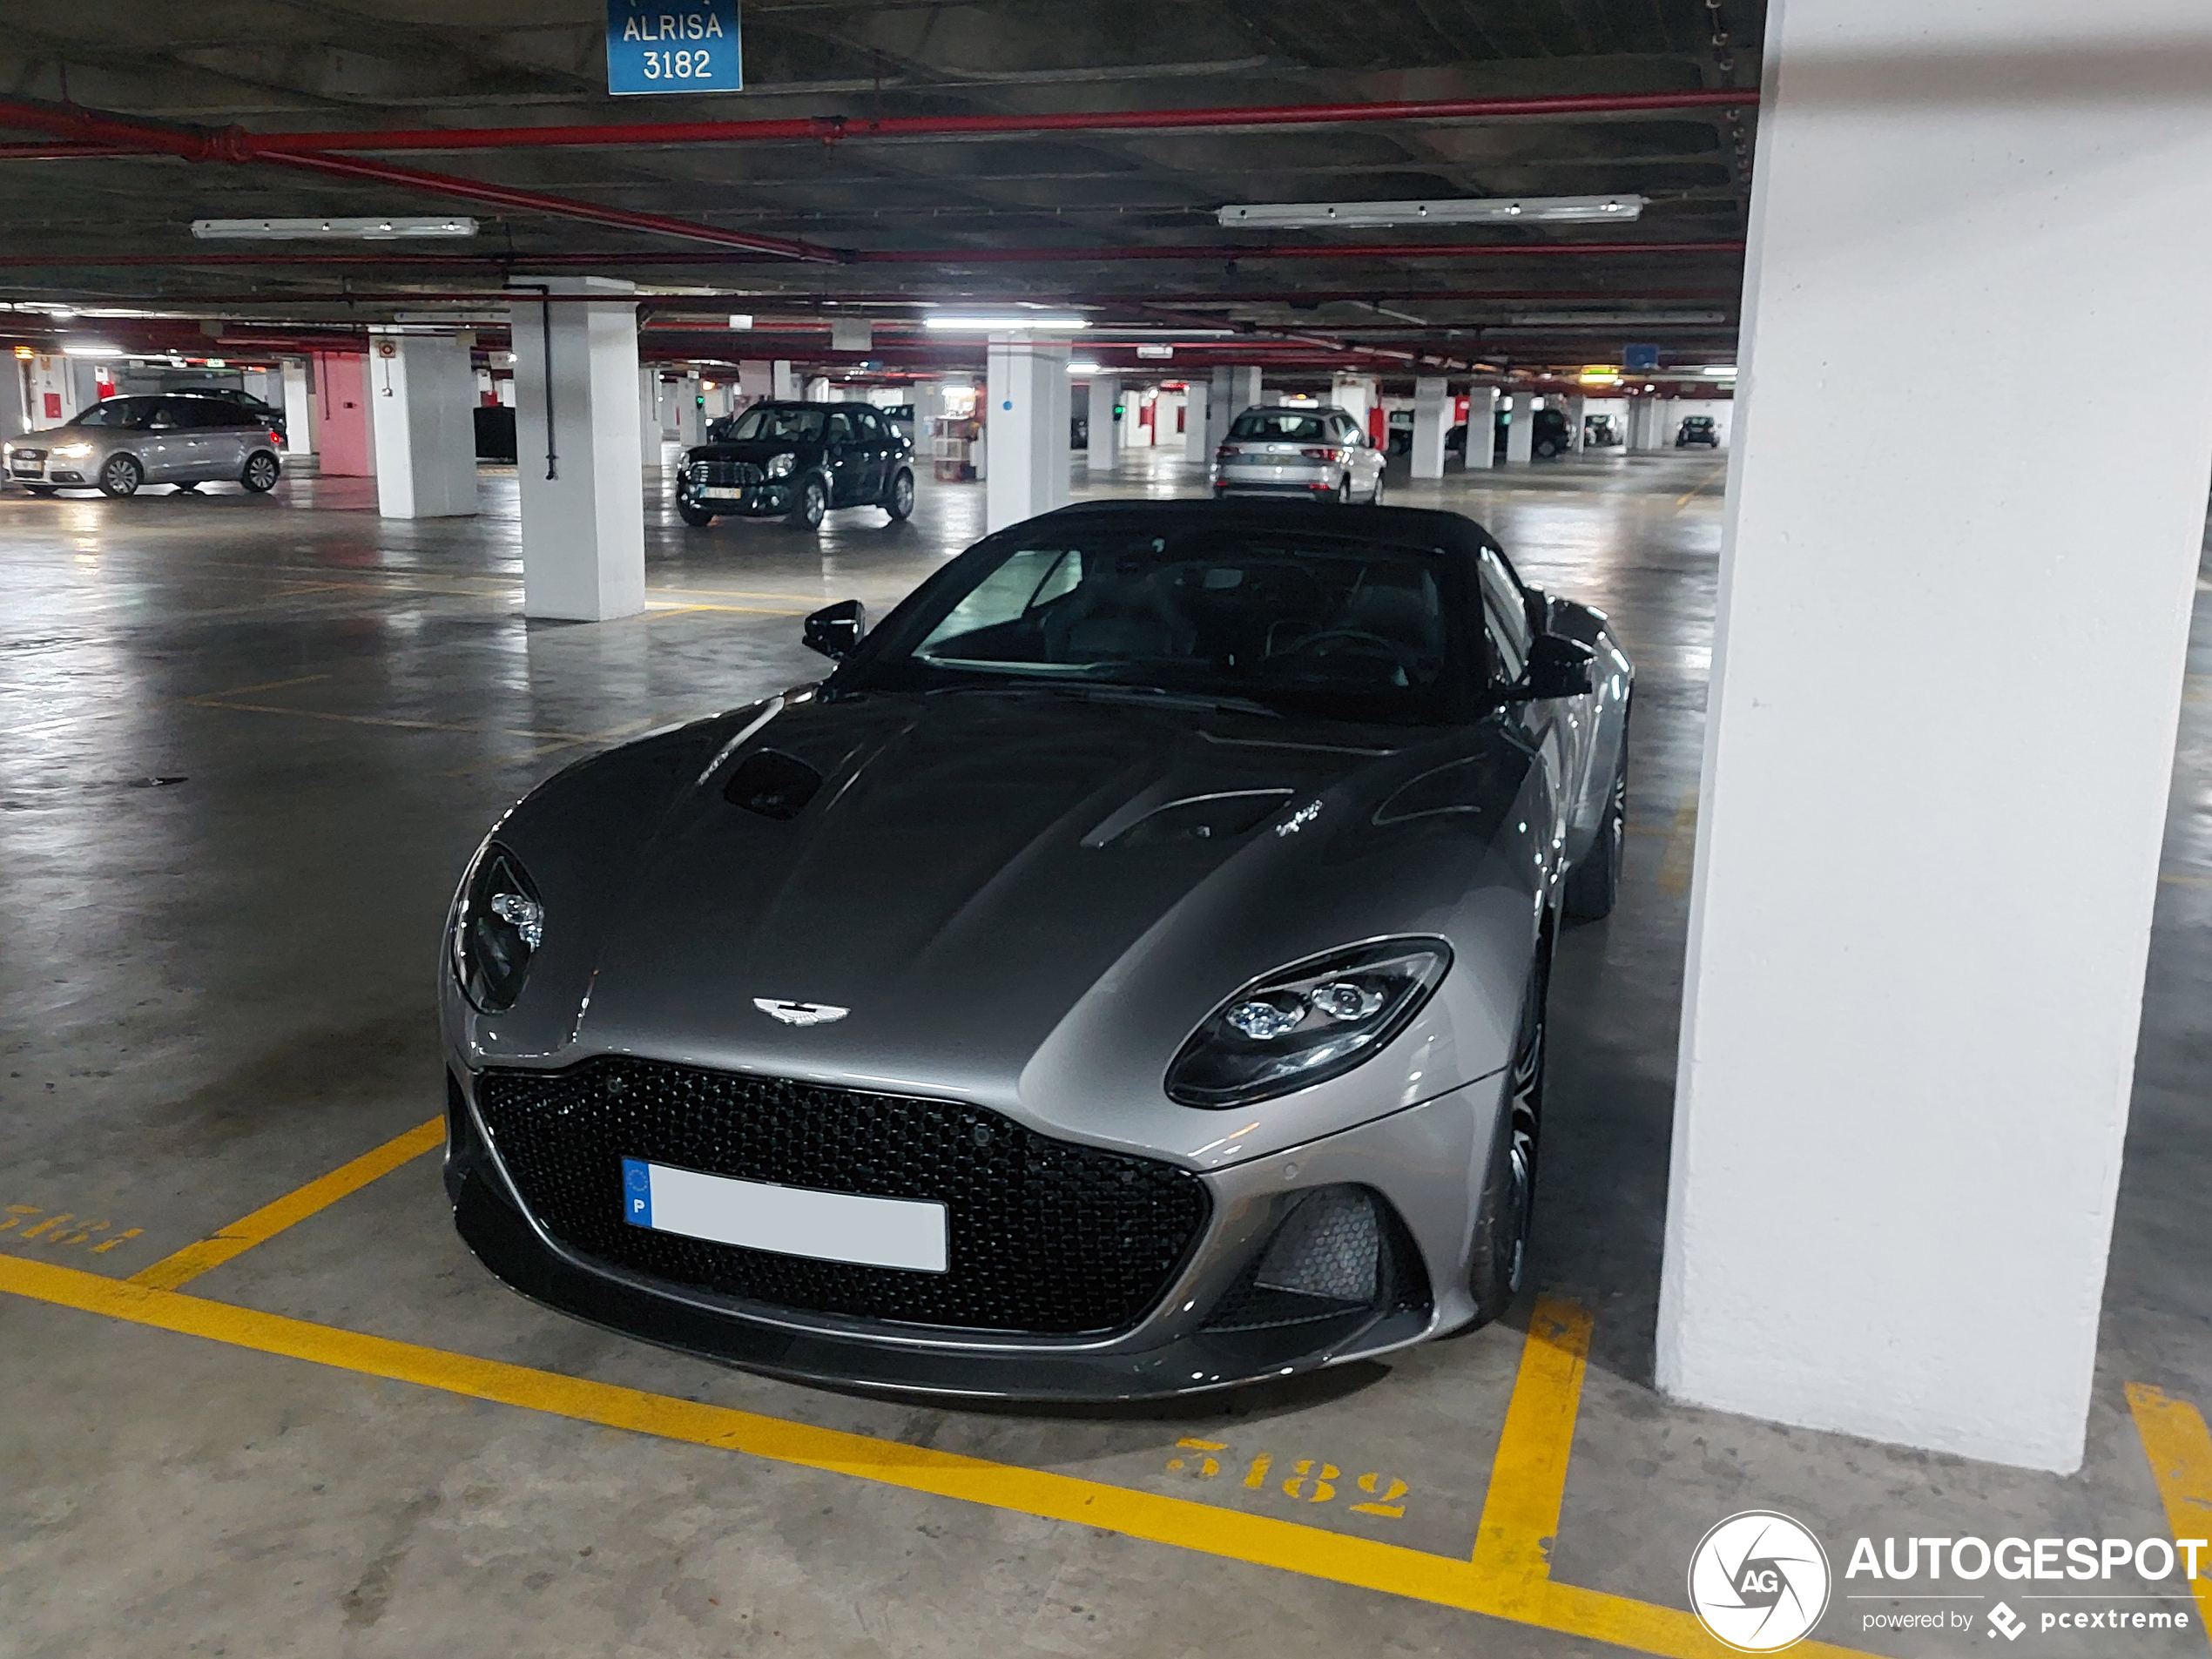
637 1192
685 46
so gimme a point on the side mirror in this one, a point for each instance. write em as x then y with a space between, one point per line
834 630
1558 666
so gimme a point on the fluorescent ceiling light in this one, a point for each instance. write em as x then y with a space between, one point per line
1007 324
1482 210
1719 371
1606 319
740 319
90 348
375 228
1082 368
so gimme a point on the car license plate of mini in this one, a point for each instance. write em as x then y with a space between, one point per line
791 1221
721 492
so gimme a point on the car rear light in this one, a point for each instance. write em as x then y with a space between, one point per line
1337 455
1227 452
277 438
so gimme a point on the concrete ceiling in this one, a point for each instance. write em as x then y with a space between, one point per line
304 66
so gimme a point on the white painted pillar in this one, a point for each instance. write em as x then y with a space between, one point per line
422 399
1574 407
1104 392
649 427
1432 413
690 427
1027 425
1521 433
583 527
1196 420
298 408
782 383
1917 944
756 379
1482 428
818 389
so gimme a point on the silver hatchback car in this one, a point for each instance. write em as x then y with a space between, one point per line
1318 453
122 443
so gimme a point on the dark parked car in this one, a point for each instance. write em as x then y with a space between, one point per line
1698 428
797 461
1550 437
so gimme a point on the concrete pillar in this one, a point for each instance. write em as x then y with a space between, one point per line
1104 392
1235 389
298 408
1916 953
1574 407
1197 421
756 380
691 426
649 427
1521 433
818 389
1028 427
583 529
1432 412
422 399
1482 428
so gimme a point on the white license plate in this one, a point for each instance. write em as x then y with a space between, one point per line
791 1221
721 492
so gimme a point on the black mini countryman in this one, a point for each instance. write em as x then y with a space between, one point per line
797 461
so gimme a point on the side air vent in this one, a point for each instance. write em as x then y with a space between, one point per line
772 784
1200 818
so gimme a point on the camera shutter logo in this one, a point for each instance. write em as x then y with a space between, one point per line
1759 1582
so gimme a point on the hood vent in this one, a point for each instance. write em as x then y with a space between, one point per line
1203 818
772 784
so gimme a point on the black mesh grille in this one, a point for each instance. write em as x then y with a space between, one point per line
729 474
1045 1237
1340 1250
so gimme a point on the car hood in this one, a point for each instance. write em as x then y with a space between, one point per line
757 450
1004 894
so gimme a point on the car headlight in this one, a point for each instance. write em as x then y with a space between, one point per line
73 451
781 466
497 930
1307 1023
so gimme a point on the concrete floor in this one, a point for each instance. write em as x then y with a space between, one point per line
249 745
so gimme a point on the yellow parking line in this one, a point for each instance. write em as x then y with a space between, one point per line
1681 851
1698 488
2180 1461
1341 1558
1528 1475
267 685
272 1218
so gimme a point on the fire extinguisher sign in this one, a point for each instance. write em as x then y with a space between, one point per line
683 46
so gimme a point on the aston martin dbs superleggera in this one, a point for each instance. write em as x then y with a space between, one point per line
1123 975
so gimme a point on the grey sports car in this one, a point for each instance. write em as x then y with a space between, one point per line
1123 975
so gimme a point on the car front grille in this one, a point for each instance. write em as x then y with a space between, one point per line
727 475
1045 1237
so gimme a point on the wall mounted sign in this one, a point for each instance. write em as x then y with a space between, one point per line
684 46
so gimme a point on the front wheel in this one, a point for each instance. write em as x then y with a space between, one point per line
1343 495
121 477
693 513
261 472
900 502
1374 495
1507 1210
813 502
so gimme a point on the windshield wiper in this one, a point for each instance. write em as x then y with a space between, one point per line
1115 690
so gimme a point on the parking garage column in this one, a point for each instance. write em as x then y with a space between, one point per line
1520 432
1432 410
1574 407
298 408
1236 389
1027 426
1196 400
1482 428
1104 392
421 404
649 437
1918 928
577 409
782 383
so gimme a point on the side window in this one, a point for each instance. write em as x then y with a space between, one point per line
840 426
1027 579
870 428
1505 619
197 412
168 414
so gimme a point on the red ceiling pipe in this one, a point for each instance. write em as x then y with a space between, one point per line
236 144
834 128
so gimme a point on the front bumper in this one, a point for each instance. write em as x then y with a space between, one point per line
754 501
1425 1162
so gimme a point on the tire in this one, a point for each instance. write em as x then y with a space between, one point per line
693 513
260 472
1593 885
1374 496
121 477
1508 1208
813 502
899 500
1342 497
1546 449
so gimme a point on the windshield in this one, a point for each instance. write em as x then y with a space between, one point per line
779 424
1282 426
1331 626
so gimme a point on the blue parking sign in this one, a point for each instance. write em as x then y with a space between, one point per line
688 46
